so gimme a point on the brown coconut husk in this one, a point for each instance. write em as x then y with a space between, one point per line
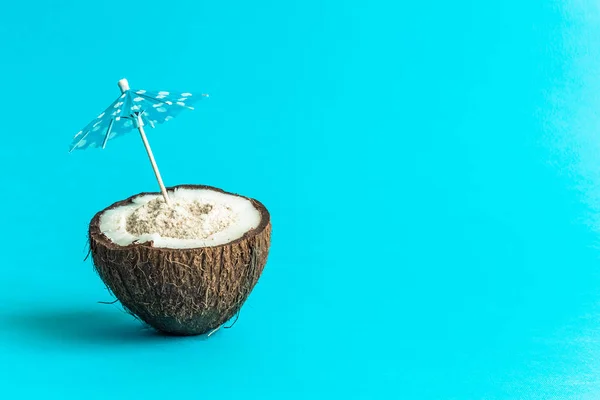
182 291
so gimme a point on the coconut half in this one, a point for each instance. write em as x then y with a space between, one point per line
184 269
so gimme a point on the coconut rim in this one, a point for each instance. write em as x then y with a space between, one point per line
96 232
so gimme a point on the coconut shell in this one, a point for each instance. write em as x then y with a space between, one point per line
182 291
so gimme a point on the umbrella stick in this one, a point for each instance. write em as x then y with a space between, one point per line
154 166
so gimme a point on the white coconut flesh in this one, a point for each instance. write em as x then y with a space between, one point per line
196 218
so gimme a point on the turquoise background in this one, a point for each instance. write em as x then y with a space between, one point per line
431 168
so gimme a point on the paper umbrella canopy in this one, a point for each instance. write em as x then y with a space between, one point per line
124 114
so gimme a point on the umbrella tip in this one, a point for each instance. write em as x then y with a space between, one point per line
123 85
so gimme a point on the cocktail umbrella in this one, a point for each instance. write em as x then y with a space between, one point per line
133 110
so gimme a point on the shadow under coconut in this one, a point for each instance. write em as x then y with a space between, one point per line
102 325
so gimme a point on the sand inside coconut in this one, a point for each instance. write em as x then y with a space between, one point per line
196 218
181 220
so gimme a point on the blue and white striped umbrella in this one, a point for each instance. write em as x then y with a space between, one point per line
120 117
133 110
